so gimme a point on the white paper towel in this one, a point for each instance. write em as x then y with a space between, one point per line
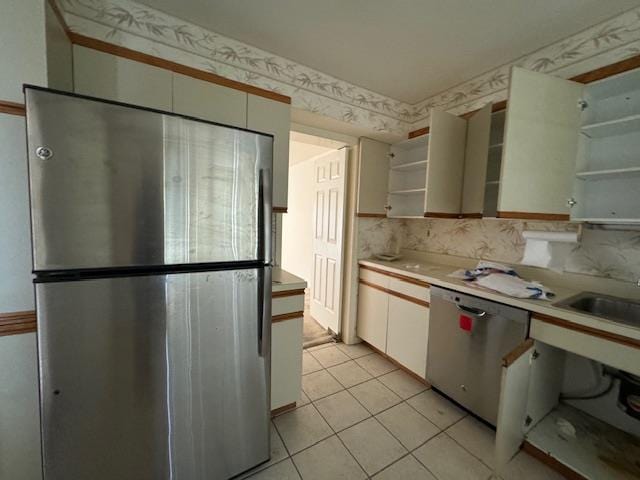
548 249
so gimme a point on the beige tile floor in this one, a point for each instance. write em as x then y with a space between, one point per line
360 417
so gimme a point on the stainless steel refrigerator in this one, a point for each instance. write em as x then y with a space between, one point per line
151 255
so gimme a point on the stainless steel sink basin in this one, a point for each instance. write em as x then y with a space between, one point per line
616 309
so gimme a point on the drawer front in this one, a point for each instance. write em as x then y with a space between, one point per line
411 289
287 304
374 277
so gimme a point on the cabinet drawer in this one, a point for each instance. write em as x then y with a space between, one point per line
407 334
411 289
374 277
287 304
372 316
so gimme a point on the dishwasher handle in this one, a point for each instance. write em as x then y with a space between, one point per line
471 311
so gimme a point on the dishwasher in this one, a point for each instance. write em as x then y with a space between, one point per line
468 337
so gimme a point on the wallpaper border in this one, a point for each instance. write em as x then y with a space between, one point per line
129 24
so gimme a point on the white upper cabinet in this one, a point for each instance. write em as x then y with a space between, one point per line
373 177
445 165
209 101
408 178
115 78
606 186
543 118
269 116
475 163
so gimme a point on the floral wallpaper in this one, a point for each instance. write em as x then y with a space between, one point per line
603 253
608 42
141 28
126 23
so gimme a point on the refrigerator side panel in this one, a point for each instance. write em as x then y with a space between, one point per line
153 377
114 186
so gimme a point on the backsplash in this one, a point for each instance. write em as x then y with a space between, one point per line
602 253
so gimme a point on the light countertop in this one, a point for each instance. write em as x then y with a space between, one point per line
283 280
437 274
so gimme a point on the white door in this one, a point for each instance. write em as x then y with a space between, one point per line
328 223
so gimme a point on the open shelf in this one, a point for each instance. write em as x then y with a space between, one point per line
596 450
406 216
405 167
410 191
608 220
618 126
609 173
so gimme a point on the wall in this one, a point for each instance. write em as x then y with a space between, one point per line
141 28
601 253
32 53
297 224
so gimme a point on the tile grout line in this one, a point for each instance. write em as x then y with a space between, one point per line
465 448
371 415
335 433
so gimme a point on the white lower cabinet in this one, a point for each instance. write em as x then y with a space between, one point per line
407 332
286 362
393 316
372 316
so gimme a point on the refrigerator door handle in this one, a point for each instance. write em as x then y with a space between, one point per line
265 205
264 316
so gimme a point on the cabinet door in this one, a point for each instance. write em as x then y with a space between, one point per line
445 165
209 101
286 362
475 161
407 334
270 116
540 145
372 316
373 178
114 78
512 409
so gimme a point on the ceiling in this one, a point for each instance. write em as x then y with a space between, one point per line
405 49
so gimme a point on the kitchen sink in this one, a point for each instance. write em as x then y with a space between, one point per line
616 309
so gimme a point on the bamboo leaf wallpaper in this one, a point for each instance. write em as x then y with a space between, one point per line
611 254
126 23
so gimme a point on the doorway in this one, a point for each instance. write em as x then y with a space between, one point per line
312 230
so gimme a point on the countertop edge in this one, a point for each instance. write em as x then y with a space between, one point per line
543 307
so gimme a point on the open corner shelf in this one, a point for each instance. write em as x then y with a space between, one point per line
608 173
618 126
410 191
597 450
406 167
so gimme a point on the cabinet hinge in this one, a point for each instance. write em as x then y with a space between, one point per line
583 104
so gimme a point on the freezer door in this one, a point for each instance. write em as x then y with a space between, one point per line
113 186
155 377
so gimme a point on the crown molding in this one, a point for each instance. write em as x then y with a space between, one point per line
131 25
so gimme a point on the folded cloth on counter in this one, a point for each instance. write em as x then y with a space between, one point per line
502 279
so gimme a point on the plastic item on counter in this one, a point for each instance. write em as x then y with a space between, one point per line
502 279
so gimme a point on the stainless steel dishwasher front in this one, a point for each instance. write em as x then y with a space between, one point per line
468 336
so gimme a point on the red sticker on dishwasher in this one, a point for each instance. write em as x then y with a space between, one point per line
465 322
